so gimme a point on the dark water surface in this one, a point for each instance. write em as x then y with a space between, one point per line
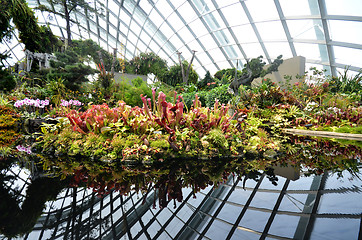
290 202
317 207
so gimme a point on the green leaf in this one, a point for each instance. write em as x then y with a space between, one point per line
105 129
88 126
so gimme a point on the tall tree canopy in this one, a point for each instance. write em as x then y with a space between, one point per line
174 75
64 9
89 48
35 38
256 66
5 27
5 17
146 63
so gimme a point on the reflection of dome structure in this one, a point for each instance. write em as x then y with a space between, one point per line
223 32
317 207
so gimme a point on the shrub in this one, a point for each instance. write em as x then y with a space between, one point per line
174 75
8 126
7 82
190 97
207 98
230 72
130 93
220 93
146 63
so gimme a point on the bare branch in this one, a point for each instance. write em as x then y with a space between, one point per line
73 8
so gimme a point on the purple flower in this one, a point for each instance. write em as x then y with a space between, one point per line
31 102
28 150
44 103
65 103
21 148
18 103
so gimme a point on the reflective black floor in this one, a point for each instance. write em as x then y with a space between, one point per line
322 206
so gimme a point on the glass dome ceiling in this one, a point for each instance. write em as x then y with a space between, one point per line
326 32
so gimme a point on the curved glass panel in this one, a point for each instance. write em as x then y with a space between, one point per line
240 29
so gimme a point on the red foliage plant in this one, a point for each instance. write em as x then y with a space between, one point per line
166 115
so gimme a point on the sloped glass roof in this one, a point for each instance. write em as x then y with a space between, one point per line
326 32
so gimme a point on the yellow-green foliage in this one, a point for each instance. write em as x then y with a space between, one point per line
160 143
76 147
217 138
118 142
91 141
132 140
338 101
8 124
91 145
62 141
68 135
7 121
7 114
348 129
7 136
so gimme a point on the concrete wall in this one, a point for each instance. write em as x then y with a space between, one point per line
290 67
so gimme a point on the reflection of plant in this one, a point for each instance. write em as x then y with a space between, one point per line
171 175
320 155
15 220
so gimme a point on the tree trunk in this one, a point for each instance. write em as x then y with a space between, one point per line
67 19
188 69
182 68
114 60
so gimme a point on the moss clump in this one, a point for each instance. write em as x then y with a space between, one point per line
217 138
132 140
76 148
160 143
118 143
348 129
